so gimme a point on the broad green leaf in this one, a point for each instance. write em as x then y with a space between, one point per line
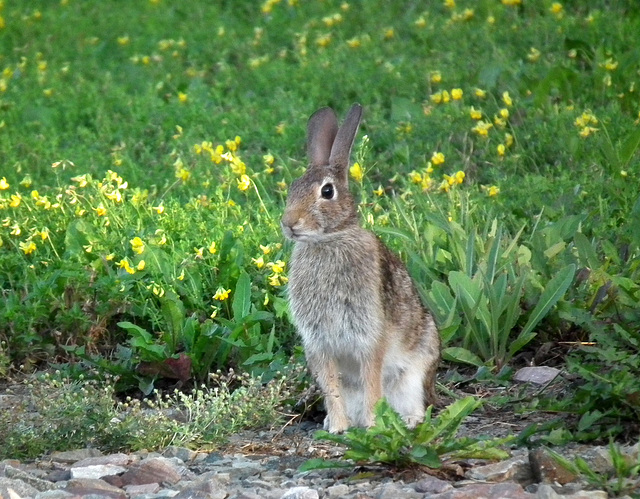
555 289
586 251
554 250
242 297
461 355
323 464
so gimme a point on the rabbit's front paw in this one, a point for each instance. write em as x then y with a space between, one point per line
335 424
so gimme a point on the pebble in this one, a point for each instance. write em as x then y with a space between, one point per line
179 473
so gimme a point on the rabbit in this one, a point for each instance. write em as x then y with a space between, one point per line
363 327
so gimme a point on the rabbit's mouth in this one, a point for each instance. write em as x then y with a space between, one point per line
300 235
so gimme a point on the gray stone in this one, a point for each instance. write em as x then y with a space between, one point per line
97 471
538 375
546 469
300 493
35 482
138 490
73 456
432 485
339 490
152 470
118 459
94 486
54 494
181 453
17 486
205 489
546 491
517 469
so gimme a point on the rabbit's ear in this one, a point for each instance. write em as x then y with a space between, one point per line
321 132
341 149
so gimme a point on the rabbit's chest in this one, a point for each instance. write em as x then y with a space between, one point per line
335 301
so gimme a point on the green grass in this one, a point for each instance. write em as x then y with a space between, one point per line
117 207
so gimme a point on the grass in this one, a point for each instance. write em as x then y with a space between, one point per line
147 148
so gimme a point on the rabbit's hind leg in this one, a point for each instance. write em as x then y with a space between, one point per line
325 370
405 392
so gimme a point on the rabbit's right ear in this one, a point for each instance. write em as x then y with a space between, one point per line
321 132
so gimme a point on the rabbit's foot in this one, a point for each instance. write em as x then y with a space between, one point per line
335 424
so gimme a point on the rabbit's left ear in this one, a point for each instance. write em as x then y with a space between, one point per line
321 132
341 150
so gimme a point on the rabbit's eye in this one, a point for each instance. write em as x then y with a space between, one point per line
327 191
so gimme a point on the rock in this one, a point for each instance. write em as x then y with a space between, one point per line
97 471
94 486
209 489
300 493
432 485
16 486
517 469
138 490
25 477
339 490
546 469
152 470
54 494
73 456
538 375
114 459
182 453
486 491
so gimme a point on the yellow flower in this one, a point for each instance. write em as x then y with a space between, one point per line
183 174
26 181
277 280
436 77
482 128
504 113
277 267
28 248
356 172
268 159
15 229
587 130
437 158
415 177
421 22
493 191
475 114
265 249
221 294
354 43
506 98
445 185
137 245
379 191
445 96
436 98
501 148
459 177
481 94
427 183
212 248
508 139
159 209
4 185
123 40
451 4
182 97
16 199
389 33
140 265
44 234
244 182
100 210
456 94
124 264
323 40
533 55
258 262
199 252
556 8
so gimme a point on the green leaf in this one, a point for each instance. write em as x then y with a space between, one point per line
628 148
461 355
586 251
555 249
555 289
242 297
322 464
